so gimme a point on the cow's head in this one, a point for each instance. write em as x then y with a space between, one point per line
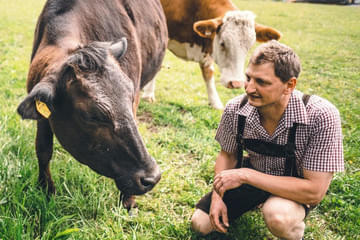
232 36
90 102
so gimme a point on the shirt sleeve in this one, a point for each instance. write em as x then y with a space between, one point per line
325 149
226 134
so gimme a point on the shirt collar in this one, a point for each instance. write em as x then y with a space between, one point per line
294 112
252 115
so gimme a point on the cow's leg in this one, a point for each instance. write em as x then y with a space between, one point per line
44 150
136 104
149 91
207 69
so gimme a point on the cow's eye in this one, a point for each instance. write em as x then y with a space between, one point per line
222 44
93 117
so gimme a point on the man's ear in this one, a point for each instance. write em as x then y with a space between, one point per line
207 28
265 33
39 102
290 85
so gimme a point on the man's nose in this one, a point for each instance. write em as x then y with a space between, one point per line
249 86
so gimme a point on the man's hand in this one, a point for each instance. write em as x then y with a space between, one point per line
218 209
228 179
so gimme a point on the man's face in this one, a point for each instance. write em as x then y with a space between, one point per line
263 87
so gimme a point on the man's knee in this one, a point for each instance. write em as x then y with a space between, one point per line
276 222
284 218
200 222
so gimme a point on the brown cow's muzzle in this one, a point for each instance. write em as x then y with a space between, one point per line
140 182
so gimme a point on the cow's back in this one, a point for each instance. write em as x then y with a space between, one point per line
80 22
182 14
150 23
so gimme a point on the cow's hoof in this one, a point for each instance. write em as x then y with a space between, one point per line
217 106
47 186
149 99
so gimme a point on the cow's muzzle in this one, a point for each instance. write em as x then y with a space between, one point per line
139 183
235 84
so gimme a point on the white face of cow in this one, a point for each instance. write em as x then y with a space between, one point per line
231 44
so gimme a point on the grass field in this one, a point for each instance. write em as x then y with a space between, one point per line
178 130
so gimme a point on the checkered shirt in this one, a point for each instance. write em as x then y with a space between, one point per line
318 136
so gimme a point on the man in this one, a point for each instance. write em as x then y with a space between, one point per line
294 145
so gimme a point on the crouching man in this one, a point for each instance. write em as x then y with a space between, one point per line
293 143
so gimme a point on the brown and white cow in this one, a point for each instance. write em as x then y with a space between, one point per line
208 30
88 64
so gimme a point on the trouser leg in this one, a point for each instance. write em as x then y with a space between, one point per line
238 201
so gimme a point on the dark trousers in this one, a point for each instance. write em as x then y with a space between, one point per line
238 201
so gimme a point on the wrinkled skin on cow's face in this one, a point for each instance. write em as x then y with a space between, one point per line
231 44
92 117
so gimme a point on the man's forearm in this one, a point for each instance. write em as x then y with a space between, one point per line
224 161
307 191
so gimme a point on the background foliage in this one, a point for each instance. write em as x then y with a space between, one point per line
178 130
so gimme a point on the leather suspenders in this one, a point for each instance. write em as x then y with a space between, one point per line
286 151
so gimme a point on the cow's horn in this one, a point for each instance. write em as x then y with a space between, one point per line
119 48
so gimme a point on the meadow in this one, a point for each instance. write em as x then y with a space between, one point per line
178 130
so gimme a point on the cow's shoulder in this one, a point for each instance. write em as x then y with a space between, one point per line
54 8
47 19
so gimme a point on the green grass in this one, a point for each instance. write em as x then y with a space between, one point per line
179 132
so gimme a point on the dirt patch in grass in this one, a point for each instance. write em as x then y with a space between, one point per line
146 117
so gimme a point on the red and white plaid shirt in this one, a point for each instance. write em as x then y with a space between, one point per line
318 135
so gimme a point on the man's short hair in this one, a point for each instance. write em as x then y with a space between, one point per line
286 62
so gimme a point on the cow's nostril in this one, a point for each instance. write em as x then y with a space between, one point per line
147 182
229 85
235 84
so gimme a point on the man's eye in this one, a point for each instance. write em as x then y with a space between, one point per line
247 78
260 81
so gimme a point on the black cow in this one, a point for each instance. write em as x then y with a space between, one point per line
89 61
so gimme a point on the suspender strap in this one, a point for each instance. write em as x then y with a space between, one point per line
240 134
240 140
290 162
244 101
267 148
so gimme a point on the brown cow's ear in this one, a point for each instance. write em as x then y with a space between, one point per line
265 33
207 28
39 103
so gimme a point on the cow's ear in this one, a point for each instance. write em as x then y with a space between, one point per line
265 33
119 48
39 102
207 28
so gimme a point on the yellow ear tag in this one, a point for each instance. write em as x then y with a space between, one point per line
42 109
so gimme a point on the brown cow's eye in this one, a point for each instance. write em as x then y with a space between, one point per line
93 117
100 148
